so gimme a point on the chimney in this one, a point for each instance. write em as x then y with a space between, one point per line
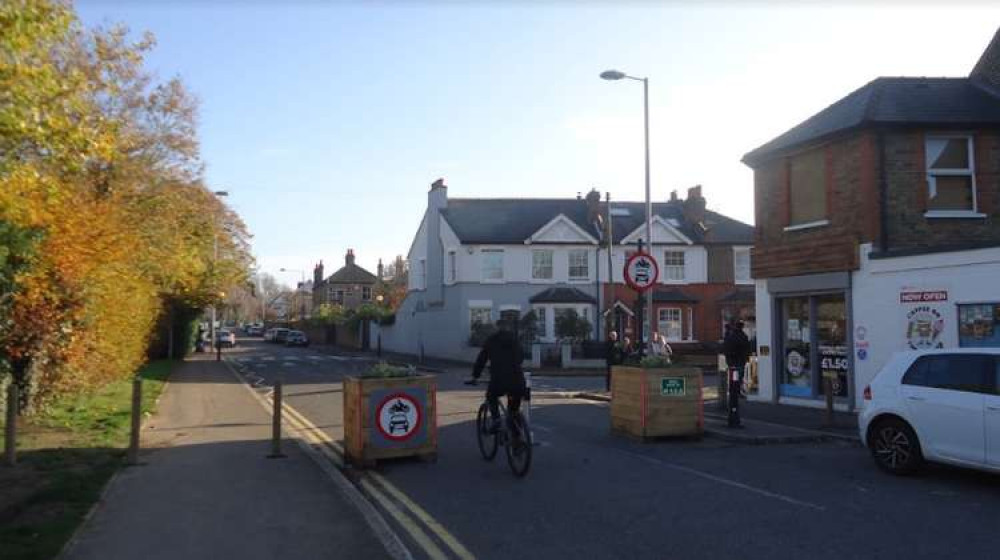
437 197
987 71
381 270
318 273
593 206
437 200
694 206
673 196
349 259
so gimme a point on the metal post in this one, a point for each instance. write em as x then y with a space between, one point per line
828 389
276 422
723 388
218 350
527 405
642 318
133 444
649 202
734 398
10 433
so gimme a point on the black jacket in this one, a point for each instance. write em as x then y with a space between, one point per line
503 353
736 347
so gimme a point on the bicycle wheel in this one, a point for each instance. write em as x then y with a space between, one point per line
519 445
487 441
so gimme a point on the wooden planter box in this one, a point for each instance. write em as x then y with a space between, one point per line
652 403
389 417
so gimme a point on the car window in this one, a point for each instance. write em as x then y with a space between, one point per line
956 372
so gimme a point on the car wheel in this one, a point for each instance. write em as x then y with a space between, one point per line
895 447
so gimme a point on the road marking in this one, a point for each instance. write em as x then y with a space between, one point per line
289 364
422 515
726 481
334 451
405 521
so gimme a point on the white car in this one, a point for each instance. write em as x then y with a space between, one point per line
935 405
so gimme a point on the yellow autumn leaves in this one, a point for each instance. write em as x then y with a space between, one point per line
105 223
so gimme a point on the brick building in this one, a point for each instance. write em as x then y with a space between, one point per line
350 286
877 231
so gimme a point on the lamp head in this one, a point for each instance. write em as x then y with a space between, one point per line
612 75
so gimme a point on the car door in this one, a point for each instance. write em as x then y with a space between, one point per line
992 418
944 398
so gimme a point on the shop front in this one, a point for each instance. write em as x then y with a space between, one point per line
803 338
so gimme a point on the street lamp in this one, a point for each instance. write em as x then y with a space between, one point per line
615 75
298 295
215 258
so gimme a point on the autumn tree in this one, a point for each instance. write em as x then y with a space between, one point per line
107 227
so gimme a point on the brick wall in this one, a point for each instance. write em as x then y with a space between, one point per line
907 190
852 211
707 312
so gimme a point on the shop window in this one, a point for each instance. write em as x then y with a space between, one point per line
979 325
796 371
951 181
807 188
670 325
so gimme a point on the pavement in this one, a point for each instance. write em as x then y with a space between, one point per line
207 490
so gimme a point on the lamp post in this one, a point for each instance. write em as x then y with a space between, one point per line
617 75
298 295
215 259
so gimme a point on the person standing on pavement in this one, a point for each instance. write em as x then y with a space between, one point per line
659 346
503 352
612 355
736 347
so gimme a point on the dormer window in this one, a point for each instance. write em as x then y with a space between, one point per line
951 180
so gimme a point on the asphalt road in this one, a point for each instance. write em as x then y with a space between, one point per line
592 495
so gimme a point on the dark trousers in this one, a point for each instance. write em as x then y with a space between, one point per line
493 395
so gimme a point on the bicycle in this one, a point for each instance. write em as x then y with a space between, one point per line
514 434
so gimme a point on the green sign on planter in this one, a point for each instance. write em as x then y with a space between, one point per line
672 386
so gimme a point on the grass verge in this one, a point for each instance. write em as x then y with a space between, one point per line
65 457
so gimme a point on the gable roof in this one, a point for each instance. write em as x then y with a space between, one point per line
892 101
505 221
351 274
562 295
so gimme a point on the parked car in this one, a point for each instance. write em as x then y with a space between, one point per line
296 338
934 405
280 335
255 330
269 335
226 338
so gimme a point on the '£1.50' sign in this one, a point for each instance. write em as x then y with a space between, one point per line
641 271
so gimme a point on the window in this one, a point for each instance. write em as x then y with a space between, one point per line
578 264
673 265
951 182
541 264
452 267
423 273
479 315
979 325
807 188
336 296
366 294
972 373
492 265
741 265
670 323
540 322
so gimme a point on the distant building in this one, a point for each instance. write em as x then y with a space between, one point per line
350 286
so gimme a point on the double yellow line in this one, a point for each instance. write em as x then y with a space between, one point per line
417 523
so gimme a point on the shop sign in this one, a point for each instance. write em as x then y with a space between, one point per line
924 327
672 386
935 296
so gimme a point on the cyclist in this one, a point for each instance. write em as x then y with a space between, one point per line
503 352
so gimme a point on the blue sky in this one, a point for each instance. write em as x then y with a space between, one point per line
327 122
